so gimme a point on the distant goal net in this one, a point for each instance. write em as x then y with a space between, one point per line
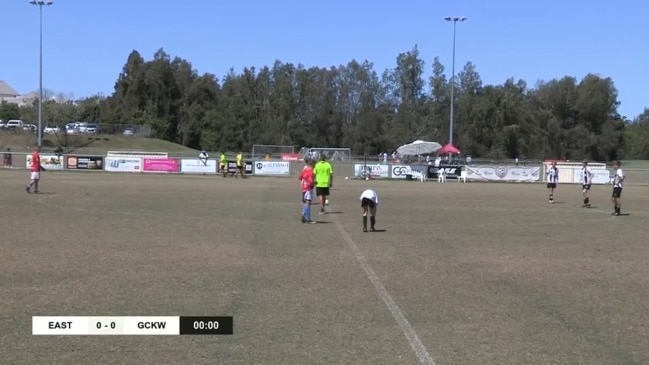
261 151
332 153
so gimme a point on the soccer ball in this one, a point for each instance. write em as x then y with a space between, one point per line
327 202
367 179
346 177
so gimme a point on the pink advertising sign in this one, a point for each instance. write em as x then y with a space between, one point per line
167 165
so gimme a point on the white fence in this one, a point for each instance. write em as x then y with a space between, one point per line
159 162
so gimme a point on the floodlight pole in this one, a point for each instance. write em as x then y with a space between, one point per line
40 4
454 19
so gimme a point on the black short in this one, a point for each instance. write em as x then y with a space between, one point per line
367 203
552 185
617 192
321 191
585 187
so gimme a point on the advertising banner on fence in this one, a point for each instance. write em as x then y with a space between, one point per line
400 171
123 164
600 176
84 163
197 166
161 165
232 167
503 173
272 168
375 171
290 157
49 162
451 171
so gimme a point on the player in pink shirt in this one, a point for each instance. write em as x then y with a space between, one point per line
308 179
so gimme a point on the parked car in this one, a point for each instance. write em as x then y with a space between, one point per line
52 129
92 129
71 129
82 127
30 128
15 124
129 131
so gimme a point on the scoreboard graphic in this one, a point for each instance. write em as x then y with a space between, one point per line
131 326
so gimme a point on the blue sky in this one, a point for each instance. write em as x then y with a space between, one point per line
86 42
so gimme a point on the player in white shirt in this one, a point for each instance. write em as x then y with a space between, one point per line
369 202
203 156
586 181
618 182
553 179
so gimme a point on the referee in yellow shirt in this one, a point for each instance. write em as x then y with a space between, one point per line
240 163
324 176
223 162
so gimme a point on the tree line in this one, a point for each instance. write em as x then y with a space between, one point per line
354 106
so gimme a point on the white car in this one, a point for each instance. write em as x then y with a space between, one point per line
92 129
15 123
129 131
52 129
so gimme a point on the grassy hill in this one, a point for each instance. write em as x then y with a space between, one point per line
94 145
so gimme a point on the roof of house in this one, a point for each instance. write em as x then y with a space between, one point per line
6 90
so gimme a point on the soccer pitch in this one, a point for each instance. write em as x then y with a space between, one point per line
464 273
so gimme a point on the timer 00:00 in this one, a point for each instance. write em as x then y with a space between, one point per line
210 325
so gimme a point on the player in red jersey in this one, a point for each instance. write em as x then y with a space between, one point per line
307 178
35 171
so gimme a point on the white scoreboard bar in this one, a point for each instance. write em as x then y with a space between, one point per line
131 325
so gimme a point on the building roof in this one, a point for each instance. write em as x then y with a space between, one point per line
6 90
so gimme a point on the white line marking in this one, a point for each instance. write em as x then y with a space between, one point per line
411 335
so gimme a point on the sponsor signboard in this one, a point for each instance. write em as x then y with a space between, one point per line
232 167
161 165
503 173
600 176
276 168
197 166
49 162
290 156
451 171
84 163
123 164
400 171
375 171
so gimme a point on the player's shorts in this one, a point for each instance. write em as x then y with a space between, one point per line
552 185
35 175
321 191
617 192
222 167
585 187
368 203
307 196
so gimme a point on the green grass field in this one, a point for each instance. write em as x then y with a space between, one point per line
474 273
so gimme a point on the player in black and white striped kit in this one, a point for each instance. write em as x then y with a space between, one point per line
553 179
618 182
586 181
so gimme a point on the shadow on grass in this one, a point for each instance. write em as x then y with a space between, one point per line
334 213
378 231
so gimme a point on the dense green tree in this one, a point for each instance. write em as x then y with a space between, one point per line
352 106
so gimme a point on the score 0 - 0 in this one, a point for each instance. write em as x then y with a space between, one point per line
105 326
